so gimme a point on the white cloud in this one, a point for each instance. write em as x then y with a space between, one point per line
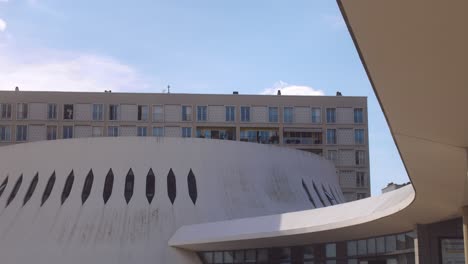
53 70
291 89
334 21
3 25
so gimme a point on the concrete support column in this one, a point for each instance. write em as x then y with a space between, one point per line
465 231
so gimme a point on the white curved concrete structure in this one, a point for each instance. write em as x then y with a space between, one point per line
232 179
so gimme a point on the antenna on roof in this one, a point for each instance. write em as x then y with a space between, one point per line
168 89
279 92
16 88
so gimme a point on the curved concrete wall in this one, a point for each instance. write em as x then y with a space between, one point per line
232 179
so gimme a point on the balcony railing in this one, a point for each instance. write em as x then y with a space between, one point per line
301 141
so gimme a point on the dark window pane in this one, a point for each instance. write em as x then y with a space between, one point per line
192 186
306 189
3 186
48 188
218 257
31 189
108 185
171 186
88 184
390 243
129 182
68 186
207 257
150 182
228 257
250 256
380 244
239 256
15 190
262 256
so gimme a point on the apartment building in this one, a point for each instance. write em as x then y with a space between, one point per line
334 127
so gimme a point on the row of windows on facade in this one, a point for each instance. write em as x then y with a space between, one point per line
158 113
108 187
258 136
391 245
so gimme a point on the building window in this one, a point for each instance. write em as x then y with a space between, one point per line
142 131
360 157
332 155
142 113
331 136
5 133
22 111
245 113
331 115
316 115
186 132
98 112
158 131
201 113
5 111
113 112
230 113
113 131
68 112
260 136
359 136
52 111
21 133
360 179
358 115
288 113
273 114
97 131
51 132
186 113
68 132
158 113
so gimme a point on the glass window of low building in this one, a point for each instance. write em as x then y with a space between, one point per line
21 111
288 114
113 131
390 243
250 256
51 132
331 136
51 111
186 113
158 131
21 133
316 115
245 113
5 111
158 113
362 247
262 256
239 256
207 257
360 157
202 113
218 257
359 136
98 112
380 241
67 132
273 114
351 248
186 132
230 113
331 115
285 255
358 115
260 136
142 113
308 253
68 111
142 131
113 112
330 250
5 133
97 131
371 246
228 257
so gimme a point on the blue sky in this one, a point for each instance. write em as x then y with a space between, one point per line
203 46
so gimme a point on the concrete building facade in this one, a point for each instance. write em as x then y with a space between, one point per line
334 127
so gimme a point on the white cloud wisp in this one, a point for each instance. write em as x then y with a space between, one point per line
291 89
